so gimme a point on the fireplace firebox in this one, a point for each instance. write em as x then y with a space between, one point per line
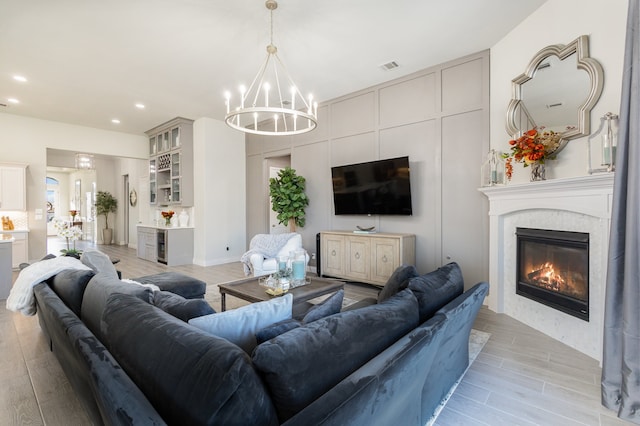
553 269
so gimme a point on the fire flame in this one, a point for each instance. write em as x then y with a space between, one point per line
546 275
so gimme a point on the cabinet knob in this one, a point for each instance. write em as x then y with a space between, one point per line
357 255
333 252
448 257
384 258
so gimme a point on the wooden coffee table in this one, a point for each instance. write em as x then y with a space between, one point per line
249 290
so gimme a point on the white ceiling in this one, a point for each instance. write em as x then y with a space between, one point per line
89 61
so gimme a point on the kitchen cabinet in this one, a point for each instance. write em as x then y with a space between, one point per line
368 258
13 187
171 246
171 163
147 243
20 248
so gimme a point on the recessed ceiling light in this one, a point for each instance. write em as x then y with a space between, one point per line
20 78
115 121
13 100
140 106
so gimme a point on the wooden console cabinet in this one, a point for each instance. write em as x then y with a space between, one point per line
368 258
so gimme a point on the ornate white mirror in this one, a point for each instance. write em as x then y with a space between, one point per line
557 91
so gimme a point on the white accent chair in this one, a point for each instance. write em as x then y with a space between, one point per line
265 266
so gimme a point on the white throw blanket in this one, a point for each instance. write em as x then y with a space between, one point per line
267 245
21 298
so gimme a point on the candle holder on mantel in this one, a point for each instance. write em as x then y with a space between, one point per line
492 171
602 150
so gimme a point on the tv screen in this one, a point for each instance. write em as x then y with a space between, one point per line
377 187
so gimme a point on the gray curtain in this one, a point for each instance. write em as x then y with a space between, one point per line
621 353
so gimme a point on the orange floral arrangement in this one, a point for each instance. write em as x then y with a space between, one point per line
534 146
168 215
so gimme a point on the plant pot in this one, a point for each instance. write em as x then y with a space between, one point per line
107 235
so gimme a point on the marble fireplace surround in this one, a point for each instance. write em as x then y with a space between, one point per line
580 204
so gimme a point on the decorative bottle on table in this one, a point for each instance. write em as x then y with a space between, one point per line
298 266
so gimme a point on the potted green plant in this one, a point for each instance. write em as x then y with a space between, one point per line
288 198
105 204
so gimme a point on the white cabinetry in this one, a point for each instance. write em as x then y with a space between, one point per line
20 248
171 163
147 243
369 258
13 188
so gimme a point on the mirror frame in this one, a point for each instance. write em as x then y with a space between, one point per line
580 46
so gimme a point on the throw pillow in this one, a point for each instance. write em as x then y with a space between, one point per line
95 298
240 325
274 330
182 308
398 281
99 262
301 365
69 285
437 288
329 306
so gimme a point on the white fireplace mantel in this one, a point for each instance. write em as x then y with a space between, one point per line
581 204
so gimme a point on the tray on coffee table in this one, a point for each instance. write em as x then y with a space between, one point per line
250 290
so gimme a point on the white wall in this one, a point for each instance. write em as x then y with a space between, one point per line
25 140
219 192
560 22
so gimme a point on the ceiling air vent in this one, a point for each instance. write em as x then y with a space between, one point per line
389 66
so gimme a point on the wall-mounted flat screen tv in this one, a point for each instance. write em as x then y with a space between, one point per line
379 187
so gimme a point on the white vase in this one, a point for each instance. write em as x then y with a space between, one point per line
184 218
174 221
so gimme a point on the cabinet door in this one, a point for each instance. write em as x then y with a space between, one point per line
385 258
332 255
12 188
163 142
358 258
175 138
153 148
19 249
153 190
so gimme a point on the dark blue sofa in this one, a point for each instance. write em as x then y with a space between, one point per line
131 362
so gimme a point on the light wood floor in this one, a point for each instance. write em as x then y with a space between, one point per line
521 377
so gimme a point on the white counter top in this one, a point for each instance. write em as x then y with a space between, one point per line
140 225
14 231
6 238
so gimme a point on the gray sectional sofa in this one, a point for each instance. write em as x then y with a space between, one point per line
132 362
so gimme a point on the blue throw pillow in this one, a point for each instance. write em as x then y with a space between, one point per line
240 325
182 308
274 330
304 363
397 282
69 285
329 306
437 288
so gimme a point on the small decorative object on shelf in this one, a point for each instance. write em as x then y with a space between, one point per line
533 148
184 218
602 156
167 217
492 171
73 214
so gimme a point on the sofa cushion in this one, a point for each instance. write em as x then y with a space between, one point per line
69 285
179 307
190 377
304 363
331 305
175 282
95 298
99 263
241 325
437 288
398 281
